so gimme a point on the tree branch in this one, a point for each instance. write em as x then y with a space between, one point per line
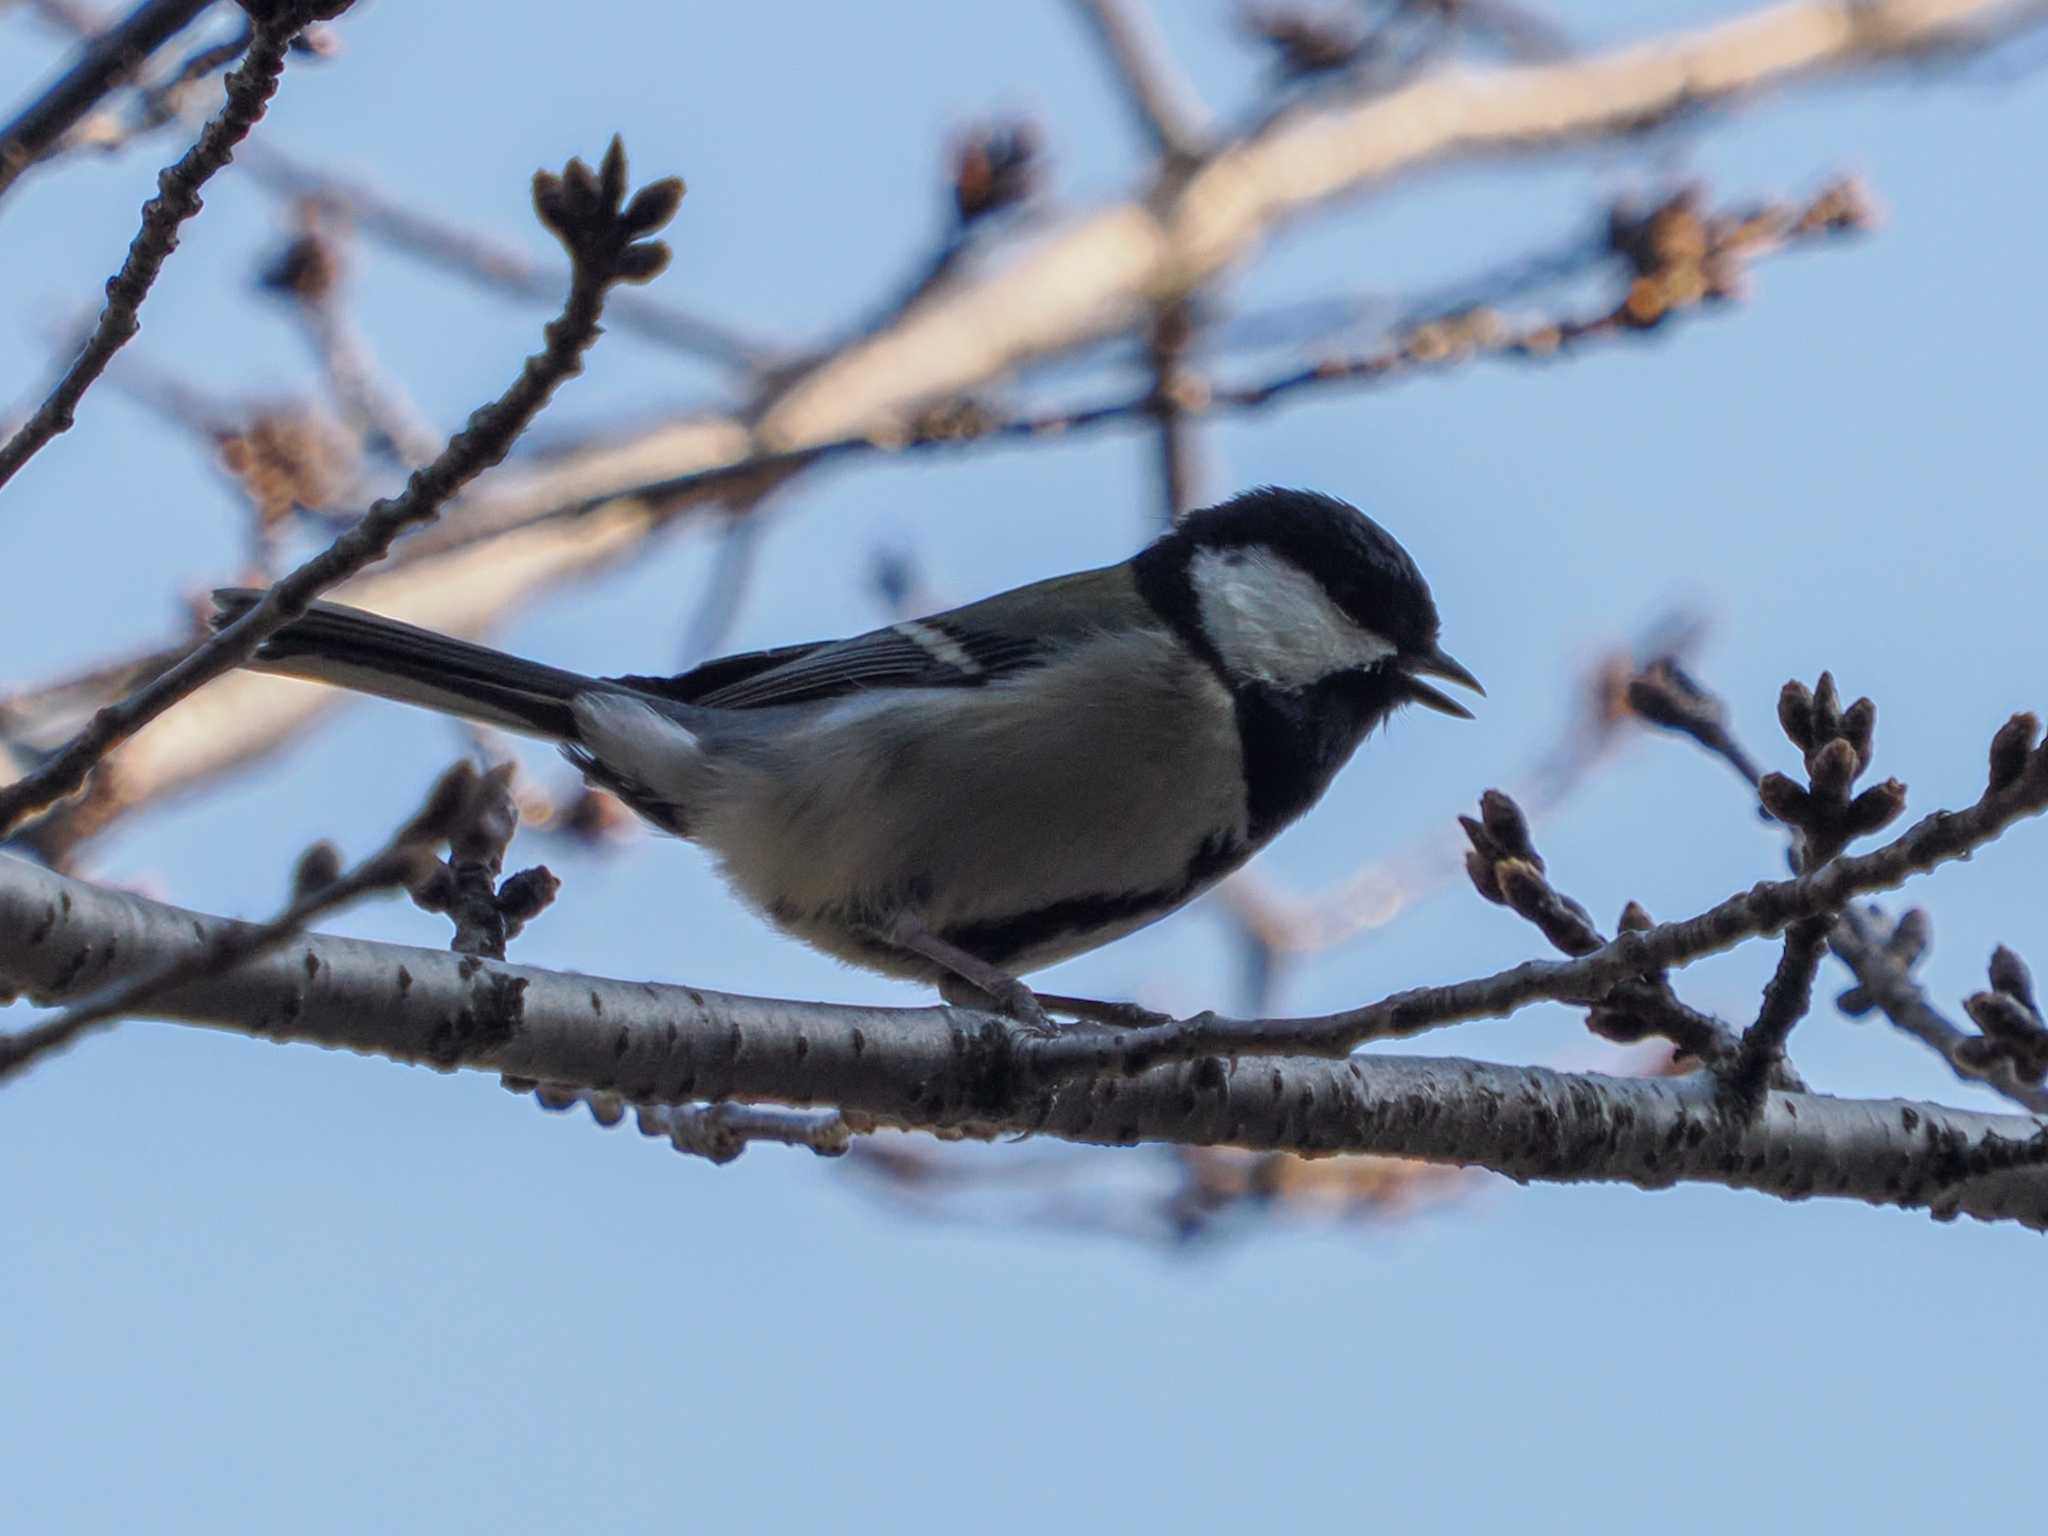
944 1069
491 263
398 863
593 506
1590 979
1098 274
1661 293
604 239
249 88
104 65
1159 95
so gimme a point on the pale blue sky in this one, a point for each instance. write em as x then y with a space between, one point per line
249 1287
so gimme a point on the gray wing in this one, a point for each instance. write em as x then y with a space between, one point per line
961 648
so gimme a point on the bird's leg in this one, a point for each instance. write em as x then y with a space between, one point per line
983 983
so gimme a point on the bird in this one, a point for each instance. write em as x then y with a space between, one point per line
964 798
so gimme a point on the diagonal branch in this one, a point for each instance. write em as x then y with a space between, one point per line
104 65
1099 273
605 247
249 88
1178 396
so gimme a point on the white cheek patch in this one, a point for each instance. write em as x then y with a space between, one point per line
1272 622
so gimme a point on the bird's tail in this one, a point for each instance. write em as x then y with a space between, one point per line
352 649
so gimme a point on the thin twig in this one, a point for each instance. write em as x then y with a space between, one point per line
249 88
104 65
1787 998
1764 908
605 249
1507 870
1665 695
491 263
1884 981
1162 101
1445 343
1173 385
718 1133
163 101
377 411
487 913
727 584
397 864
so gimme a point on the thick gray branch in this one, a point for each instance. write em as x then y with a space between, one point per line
937 1068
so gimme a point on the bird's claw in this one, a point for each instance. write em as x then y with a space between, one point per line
1023 1006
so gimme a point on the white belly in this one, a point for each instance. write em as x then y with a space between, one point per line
1063 790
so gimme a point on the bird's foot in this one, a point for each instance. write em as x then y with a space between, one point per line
1115 1015
1006 995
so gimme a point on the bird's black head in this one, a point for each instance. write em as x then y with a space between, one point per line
1286 589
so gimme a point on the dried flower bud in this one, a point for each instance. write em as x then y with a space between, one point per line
434 888
1508 827
1307 43
1634 919
654 205
1910 937
447 805
1785 799
2009 974
318 868
995 166
288 456
587 211
308 269
1976 1056
2010 749
1664 695
526 895
1619 1025
1827 709
1859 729
1480 868
488 820
1877 807
2002 1016
1832 769
1855 1003
642 263
1795 713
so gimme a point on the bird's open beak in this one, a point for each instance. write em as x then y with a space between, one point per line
1435 663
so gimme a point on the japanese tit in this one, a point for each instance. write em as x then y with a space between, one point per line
970 796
